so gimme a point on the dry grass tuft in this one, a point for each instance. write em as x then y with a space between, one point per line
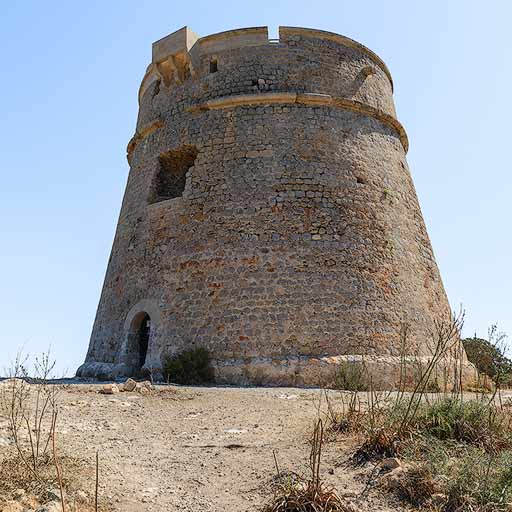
297 494
305 498
381 444
18 476
417 485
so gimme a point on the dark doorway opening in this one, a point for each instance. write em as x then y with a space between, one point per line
143 330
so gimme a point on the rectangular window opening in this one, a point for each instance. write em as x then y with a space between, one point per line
171 176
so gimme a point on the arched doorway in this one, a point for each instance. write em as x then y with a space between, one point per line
140 333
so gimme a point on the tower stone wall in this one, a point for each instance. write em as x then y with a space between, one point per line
269 215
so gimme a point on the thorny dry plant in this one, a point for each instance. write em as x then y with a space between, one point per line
300 494
31 410
29 403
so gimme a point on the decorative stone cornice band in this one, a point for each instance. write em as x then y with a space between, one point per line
273 98
305 99
140 135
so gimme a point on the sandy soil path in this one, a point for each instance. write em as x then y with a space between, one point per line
200 449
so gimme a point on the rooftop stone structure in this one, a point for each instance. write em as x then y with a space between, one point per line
269 216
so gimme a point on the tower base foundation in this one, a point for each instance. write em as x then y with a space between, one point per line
343 371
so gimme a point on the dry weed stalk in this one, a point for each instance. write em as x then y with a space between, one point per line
56 462
307 495
97 481
339 421
387 421
446 349
446 336
31 410
30 404
458 450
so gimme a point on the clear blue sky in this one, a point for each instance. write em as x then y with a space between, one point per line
70 72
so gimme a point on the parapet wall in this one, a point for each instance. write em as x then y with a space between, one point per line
303 60
184 40
320 66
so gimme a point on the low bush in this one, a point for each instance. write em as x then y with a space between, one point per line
489 356
480 481
475 422
458 450
190 367
462 477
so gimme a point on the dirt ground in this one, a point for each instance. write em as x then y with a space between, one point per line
193 448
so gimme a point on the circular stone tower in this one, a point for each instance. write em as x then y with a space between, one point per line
269 216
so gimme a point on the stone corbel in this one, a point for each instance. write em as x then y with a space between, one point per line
175 68
167 70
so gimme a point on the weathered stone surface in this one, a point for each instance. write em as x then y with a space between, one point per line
144 387
109 389
298 241
393 479
389 464
129 385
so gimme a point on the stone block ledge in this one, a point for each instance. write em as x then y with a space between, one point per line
141 134
322 371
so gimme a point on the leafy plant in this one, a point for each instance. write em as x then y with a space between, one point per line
463 477
488 356
475 422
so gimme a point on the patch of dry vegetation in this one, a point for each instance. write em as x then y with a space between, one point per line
455 451
32 468
294 493
18 484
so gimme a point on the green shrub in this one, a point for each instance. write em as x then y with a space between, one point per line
480 481
489 357
458 451
473 422
448 420
189 367
466 477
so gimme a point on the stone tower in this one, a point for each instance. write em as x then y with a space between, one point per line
269 215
